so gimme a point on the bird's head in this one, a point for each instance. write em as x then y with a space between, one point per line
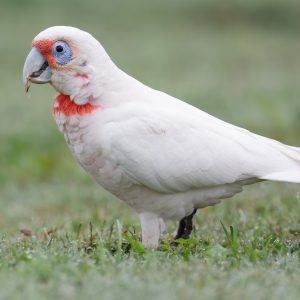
72 60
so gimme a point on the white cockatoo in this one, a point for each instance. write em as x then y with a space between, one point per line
162 156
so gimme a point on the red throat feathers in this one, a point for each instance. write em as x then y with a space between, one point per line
64 104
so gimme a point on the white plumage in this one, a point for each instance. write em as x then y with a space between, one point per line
160 155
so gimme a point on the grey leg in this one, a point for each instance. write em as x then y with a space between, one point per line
185 227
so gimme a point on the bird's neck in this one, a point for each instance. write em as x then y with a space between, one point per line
63 104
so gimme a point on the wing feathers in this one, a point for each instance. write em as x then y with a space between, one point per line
178 148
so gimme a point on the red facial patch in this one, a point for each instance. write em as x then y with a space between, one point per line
45 47
64 104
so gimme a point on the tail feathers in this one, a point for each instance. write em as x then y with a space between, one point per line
289 169
285 176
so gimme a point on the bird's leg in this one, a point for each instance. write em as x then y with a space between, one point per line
150 224
185 227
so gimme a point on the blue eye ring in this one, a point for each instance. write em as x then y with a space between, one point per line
62 52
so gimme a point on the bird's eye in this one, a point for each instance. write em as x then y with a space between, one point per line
59 48
62 52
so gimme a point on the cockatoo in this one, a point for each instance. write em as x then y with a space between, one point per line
162 156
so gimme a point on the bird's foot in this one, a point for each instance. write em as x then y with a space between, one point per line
185 227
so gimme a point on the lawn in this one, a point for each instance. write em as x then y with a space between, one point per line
63 237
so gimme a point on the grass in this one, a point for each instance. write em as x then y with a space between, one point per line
238 62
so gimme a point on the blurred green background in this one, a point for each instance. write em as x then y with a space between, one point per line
237 60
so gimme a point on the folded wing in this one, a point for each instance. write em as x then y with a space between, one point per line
176 147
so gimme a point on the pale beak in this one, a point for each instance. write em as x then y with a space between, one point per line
36 69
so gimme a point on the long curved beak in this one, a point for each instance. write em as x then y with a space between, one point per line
36 69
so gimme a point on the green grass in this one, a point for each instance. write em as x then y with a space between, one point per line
238 61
